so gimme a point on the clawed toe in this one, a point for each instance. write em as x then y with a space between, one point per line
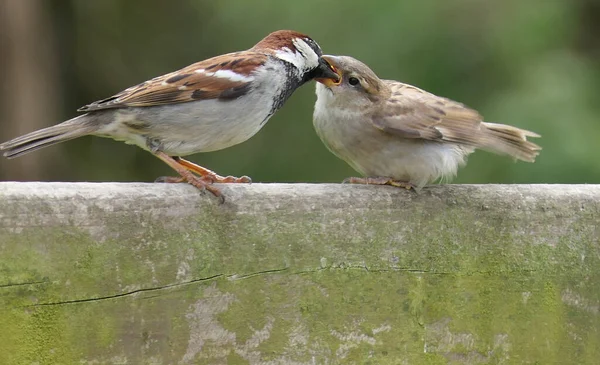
196 175
402 184
232 180
203 184
379 180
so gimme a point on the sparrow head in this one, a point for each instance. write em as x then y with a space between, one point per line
354 83
299 50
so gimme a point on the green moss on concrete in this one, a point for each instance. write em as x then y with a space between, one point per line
34 336
429 284
59 333
323 315
235 359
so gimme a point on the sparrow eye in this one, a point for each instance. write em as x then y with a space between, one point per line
353 81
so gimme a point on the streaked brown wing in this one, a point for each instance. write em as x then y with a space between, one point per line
208 79
413 113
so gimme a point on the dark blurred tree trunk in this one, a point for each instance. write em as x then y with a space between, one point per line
589 28
30 94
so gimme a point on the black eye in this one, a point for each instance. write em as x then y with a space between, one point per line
353 81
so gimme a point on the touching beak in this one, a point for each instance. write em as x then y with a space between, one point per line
329 75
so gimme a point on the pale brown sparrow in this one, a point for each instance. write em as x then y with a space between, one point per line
207 106
396 134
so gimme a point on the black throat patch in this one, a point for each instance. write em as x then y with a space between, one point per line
293 81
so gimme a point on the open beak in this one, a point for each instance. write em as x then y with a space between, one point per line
330 75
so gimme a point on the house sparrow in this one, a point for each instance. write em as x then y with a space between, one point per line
207 106
396 134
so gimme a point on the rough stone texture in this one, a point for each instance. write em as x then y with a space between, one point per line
299 274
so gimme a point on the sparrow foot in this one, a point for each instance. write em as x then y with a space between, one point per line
200 182
228 179
379 180
211 175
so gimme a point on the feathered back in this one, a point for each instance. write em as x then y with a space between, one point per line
414 113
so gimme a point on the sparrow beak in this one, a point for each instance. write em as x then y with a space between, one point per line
329 75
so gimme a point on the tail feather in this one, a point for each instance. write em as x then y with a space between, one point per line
512 141
73 128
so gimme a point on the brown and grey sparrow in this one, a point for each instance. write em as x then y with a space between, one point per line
207 106
396 134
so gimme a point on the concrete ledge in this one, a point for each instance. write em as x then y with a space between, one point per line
299 274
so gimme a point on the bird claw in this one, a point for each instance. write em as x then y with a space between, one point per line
402 184
245 179
379 180
201 183
230 179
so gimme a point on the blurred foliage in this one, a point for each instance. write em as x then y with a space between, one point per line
534 64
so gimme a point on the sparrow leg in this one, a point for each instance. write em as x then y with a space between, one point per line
379 180
187 176
211 175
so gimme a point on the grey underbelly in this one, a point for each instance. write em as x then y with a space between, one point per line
192 127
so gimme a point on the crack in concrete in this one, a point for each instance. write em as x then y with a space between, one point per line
10 285
342 266
168 286
120 295
258 273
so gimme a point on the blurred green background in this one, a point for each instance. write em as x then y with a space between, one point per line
534 64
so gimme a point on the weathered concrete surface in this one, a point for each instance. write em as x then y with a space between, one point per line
299 274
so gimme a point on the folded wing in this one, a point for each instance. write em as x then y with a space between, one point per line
223 77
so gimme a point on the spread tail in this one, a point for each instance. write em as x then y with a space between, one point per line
509 140
73 128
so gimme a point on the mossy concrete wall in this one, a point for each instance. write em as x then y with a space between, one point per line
299 274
